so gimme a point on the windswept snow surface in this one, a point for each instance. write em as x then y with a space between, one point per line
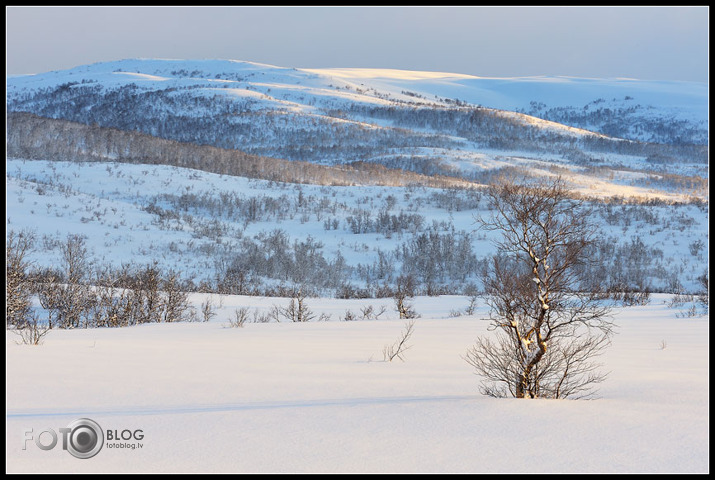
318 397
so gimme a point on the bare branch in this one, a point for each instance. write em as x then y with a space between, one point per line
397 349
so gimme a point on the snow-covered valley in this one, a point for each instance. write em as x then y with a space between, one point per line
241 188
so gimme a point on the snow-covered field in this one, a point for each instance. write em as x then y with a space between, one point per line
318 397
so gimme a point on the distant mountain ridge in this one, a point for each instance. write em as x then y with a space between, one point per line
681 101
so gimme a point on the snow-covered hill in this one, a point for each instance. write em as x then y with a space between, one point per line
635 99
426 122
365 235
687 101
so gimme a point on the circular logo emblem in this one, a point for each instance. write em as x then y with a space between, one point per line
85 438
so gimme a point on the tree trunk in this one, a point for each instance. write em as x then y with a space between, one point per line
522 386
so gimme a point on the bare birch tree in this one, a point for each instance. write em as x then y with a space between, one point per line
548 332
404 290
69 300
18 288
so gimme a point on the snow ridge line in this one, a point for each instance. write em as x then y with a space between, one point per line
178 410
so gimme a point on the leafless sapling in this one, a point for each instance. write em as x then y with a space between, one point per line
240 316
398 348
298 310
32 331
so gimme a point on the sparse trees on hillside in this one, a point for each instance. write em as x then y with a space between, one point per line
30 136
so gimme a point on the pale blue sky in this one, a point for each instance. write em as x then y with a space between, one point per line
651 43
